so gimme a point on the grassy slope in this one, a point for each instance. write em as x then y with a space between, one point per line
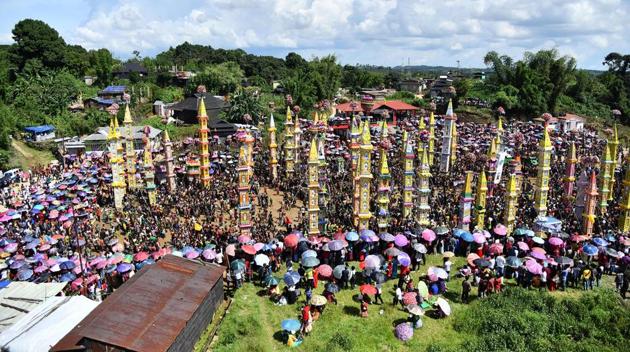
25 157
253 322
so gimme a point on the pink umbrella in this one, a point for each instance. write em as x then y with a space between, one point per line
496 248
118 247
478 237
324 270
230 250
428 235
471 258
141 256
44 247
116 259
258 246
96 260
400 240
522 246
101 265
40 269
244 239
555 241
539 250
538 255
533 267
209 254
192 255
500 230
410 298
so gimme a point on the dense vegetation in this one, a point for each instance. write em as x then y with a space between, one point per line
41 75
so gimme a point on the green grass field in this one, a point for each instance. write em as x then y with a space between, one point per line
253 322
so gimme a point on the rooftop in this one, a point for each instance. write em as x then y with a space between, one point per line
150 310
137 131
114 90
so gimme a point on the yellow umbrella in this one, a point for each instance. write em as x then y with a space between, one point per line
448 254
197 227
318 300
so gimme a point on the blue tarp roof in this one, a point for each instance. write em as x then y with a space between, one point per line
40 129
114 89
103 101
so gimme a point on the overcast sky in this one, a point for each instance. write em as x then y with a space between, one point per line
381 32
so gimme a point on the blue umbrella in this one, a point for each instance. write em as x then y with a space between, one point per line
291 278
467 236
310 262
237 265
271 281
24 274
67 265
124 267
110 268
309 253
17 264
352 236
458 232
38 207
387 237
367 233
67 277
513 261
291 325
32 245
589 250
600 242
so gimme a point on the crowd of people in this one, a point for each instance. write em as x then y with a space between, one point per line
58 224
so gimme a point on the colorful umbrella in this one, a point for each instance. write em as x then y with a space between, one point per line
496 248
392 252
336 245
513 261
249 249
309 253
352 236
331 287
372 261
387 237
404 331
209 254
237 265
141 256
291 325
368 289
533 267
444 306
471 258
261 259
500 230
555 241
589 250
404 259
415 309
310 262
478 237
318 300
324 270
410 298
243 239
428 235
291 278
400 240
467 236
291 240
423 289
338 271
124 267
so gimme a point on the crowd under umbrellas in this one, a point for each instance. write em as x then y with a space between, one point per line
58 224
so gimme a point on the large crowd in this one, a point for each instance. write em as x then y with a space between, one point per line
58 224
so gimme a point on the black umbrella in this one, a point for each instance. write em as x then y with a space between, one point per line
482 263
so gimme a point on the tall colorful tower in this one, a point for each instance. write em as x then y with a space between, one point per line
384 189
313 190
614 154
590 206
511 201
170 168
424 188
604 181
297 134
130 150
544 168
517 169
273 148
354 146
244 204
480 201
454 144
569 179
431 138
465 202
492 165
500 135
580 197
249 141
624 219
204 154
115 161
408 180
447 138
365 178
289 147
356 197
149 170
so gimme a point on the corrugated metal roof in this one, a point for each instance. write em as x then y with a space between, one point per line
20 297
149 311
137 131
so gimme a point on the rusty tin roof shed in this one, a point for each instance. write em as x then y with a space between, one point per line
149 311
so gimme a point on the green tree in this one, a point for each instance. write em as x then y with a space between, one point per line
219 79
77 60
295 61
102 63
35 40
463 86
242 102
325 75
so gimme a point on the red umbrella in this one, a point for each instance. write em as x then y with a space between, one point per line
496 248
291 240
410 298
249 249
141 256
368 289
324 270
471 258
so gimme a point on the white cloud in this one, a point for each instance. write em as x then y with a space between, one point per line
376 31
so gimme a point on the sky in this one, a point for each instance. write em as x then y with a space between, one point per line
377 32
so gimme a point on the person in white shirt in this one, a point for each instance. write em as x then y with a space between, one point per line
447 268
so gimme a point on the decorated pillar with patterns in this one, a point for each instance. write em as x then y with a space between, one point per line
244 186
273 148
454 137
544 169
313 190
170 168
115 161
408 174
130 150
431 138
500 135
297 134
517 169
604 178
511 200
624 219
590 206
492 165
204 154
384 189
480 201
447 138
465 202
365 178
249 140
569 179
580 196
614 154
424 188
354 147
149 169
289 147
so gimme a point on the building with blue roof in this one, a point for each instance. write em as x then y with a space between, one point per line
40 133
